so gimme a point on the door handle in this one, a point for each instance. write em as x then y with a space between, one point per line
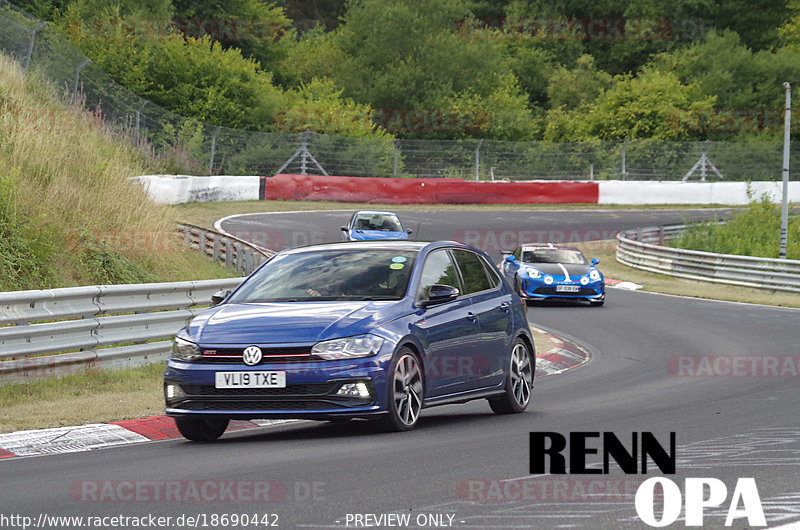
471 316
505 306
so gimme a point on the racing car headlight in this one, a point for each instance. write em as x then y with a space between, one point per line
533 273
594 274
548 280
184 350
348 347
584 280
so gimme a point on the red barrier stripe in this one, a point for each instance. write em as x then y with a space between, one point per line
6 454
163 427
426 190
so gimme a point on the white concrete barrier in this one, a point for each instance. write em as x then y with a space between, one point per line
177 189
676 192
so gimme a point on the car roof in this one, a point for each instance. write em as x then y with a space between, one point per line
549 246
375 212
381 244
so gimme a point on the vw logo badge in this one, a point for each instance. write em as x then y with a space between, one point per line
251 355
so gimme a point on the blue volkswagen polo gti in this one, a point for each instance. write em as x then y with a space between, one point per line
543 271
377 330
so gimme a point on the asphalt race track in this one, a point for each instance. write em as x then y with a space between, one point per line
737 419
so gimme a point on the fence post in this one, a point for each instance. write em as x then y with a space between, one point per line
77 77
213 148
624 162
27 62
304 153
138 116
396 153
478 159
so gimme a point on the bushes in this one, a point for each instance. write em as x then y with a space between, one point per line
752 232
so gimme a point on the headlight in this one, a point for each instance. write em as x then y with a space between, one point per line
348 347
548 280
584 280
594 274
533 273
185 350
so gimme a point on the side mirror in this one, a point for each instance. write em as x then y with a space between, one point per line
510 258
595 261
344 229
219 296
439 294
408 231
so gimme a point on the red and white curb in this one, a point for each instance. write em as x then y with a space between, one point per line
562 357
619 284
100 435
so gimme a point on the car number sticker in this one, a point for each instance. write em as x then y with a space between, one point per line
396 266
399 259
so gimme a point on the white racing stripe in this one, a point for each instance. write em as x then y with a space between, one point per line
566 273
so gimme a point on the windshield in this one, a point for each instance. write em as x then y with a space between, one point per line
343 274
382 222
553 255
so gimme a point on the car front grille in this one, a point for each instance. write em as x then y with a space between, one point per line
290 390
292 354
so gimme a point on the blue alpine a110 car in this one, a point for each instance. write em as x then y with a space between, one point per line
542 271
376 330
371 224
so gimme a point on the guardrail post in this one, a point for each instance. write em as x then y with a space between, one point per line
478 159
239 257
396 154
217 245
213 148
228 254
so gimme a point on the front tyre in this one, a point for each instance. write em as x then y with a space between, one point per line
405 393
201 429
519 382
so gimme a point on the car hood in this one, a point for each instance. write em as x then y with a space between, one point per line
365 235
287 322
554 269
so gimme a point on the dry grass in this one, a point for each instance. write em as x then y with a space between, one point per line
98 397
72 186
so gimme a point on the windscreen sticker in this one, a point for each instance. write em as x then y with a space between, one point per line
399 259
396 266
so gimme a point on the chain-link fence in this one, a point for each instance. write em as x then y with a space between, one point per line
191 146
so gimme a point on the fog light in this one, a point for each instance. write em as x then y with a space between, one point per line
354 390
173 391
548 280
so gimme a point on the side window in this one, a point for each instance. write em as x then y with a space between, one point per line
472 271
438 269
491 272
517 253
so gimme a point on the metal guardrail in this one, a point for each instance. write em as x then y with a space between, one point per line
642 248
57 332
228 250
64 331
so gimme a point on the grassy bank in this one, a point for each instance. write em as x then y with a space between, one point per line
68 213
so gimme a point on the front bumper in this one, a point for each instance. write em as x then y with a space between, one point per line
536 289
311 390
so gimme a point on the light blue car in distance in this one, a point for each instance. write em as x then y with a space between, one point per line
367 225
